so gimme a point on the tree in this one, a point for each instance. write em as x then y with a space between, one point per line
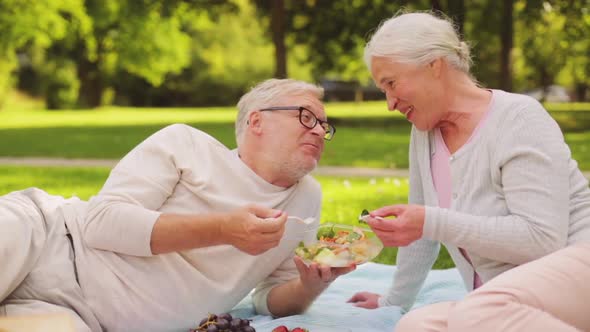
229 54
543 57
506 37
35 24
577 68
142 38
334 32
278 37
454 9
102 40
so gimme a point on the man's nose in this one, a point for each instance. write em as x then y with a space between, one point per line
318 130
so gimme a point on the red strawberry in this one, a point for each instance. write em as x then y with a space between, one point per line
281 328
298 329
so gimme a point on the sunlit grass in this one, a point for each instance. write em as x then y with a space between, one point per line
125 116
343 198
113 117
13 116
367 135
67 182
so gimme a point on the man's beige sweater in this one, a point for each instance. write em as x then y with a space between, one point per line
179 170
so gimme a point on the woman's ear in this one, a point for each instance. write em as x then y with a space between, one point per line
436 67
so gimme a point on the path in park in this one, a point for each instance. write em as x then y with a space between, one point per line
322 170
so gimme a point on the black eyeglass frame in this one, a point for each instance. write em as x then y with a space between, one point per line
330 130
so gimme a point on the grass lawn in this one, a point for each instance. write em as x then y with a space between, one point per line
343 198
367 134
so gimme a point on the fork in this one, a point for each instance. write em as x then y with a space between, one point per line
306 221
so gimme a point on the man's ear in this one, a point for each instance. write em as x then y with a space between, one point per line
255 123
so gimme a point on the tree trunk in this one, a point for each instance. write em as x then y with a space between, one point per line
456 11
507 35
278 37
545 82
90 84
436 6
581 89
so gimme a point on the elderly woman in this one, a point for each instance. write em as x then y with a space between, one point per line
492 179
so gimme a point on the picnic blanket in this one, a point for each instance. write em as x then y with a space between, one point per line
330 312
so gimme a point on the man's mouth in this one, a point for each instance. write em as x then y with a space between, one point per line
315 146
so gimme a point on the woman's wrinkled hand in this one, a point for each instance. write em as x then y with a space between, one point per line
401 231
365 300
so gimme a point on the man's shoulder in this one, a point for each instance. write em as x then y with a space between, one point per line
185 132
183 129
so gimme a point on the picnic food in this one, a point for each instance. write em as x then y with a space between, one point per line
361 219
223 323
283 328
340 245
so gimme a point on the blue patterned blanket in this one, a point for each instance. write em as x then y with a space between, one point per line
331 313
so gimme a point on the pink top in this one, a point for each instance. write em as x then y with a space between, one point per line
440 166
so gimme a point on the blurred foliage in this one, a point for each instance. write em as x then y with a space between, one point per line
334 32
61 84
7 65
228 55
85 53
32 25
538 54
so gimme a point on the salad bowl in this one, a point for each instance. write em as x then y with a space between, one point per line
340 245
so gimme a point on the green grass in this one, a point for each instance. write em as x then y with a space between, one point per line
67 182
343 198
367 136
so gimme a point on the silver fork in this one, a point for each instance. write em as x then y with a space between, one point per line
306 221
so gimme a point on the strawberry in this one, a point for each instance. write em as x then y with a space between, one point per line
299 329
281 328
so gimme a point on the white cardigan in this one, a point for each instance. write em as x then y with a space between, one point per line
517 196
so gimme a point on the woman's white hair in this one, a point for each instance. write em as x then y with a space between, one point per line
419 38
266 94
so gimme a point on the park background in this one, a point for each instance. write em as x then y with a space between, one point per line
89 80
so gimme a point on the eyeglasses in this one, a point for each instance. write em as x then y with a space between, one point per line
307 119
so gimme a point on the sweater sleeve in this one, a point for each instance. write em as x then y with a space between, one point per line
287 270
414 261
532 167
121 217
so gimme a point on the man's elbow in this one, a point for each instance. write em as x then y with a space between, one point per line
90 228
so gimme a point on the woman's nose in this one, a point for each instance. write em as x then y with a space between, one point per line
391 102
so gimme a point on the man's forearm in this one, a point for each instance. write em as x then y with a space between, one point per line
176 232
292 298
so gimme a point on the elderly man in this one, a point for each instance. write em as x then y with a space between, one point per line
183 226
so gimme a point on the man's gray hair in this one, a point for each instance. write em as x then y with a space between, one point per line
419 38
266 95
